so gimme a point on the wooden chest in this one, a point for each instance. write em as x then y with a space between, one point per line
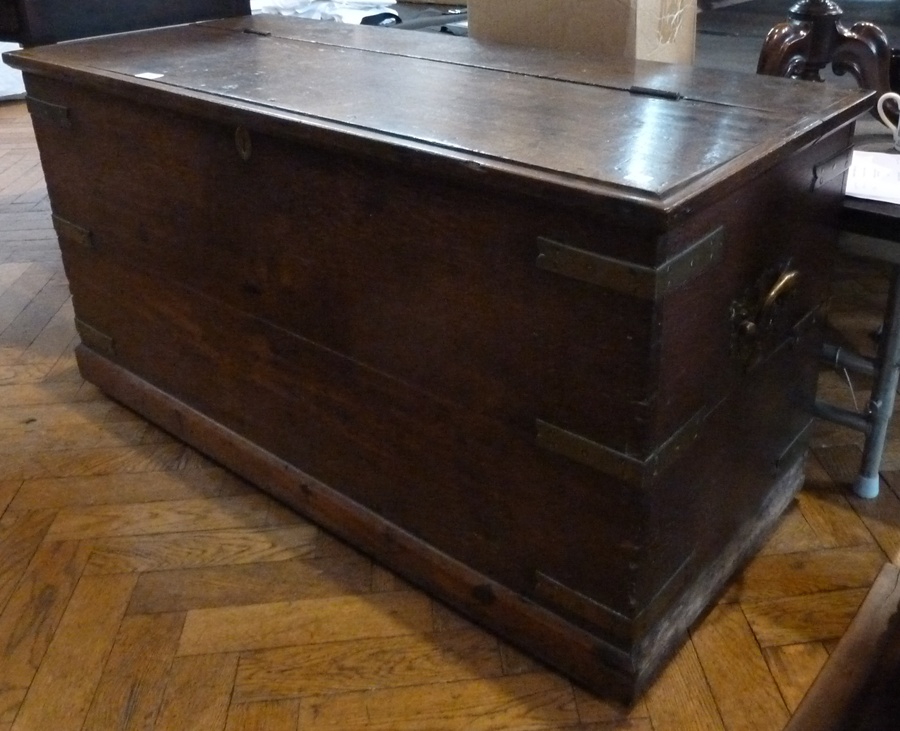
537 331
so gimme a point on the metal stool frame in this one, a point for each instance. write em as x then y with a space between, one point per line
872 232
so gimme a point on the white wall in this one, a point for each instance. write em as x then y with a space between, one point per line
10 79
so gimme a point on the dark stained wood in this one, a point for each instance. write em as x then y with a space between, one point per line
349 303
35 22
339 100
696 83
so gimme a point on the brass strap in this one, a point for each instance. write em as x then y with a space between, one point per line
562 597
609 461
830 169
53 113
94 338
627 277
72 232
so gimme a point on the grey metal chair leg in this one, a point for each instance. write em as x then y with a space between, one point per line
884 391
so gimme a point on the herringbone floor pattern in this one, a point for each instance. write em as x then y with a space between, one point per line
143 587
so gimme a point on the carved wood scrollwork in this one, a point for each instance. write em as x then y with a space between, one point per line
813 36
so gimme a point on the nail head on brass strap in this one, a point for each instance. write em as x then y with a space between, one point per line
243 143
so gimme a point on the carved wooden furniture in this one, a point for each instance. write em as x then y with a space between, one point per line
813 36
497 316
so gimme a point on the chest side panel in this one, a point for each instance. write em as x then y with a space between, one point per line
743 354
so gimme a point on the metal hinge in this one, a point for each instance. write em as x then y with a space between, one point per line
656 93
830 169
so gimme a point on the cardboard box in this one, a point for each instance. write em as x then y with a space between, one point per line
658 30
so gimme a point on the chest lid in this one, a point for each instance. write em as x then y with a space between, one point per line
651 135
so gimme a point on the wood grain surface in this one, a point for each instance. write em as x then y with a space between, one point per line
425 390
90 620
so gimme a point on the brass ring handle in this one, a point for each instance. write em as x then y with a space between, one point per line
785 283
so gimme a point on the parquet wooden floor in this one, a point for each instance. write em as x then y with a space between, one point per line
143 587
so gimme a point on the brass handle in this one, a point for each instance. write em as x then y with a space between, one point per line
755 317
785 284
753 320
